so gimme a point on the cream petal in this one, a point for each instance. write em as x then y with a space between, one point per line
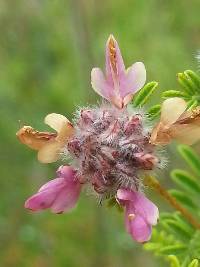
172 109
186 134
160 135
50 152
65 133
55 121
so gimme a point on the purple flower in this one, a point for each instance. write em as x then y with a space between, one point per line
118 85
140 214
60 194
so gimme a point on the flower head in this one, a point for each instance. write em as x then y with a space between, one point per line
60 194
140 214
118 85
108 145
177 123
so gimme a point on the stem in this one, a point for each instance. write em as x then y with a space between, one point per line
154 183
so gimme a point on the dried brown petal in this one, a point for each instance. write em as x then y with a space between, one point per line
33 138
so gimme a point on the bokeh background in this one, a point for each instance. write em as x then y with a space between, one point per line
47 50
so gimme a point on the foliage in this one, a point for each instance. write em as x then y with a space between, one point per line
190 84
175 238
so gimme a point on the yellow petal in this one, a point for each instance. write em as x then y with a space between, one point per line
50 152
33 138
172 109
56 121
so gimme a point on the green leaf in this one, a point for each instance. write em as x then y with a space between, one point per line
183 198
186 83
190 157
154 111
177 229
174 93
186 181
173 249
144 94
194 78
194 263
174 261
192 104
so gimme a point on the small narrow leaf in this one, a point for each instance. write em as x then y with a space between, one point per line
176 228
151 246
192 104
174 93
173 249
194 263
144 94
194 78
186 83
184 199
174 261
186 181
190 157
154 111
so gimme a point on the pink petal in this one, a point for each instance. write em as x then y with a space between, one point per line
99 83
119 85
60 194
112 48
66 172
41 200
145 208
125 195
55 184
140 230
67 198
140 205
133 80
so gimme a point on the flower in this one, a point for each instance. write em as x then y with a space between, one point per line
49 145
118 85
60 194
108 146
140 214
176 122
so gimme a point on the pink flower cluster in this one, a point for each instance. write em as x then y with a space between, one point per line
110 144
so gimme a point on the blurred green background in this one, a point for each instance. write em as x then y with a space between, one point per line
47 50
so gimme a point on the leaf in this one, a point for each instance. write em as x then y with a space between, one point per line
186 83
154 111
174 261
194 263
144 94
190 157
193 103
174 93
194 78
173 249
177 228
183 198
186 181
